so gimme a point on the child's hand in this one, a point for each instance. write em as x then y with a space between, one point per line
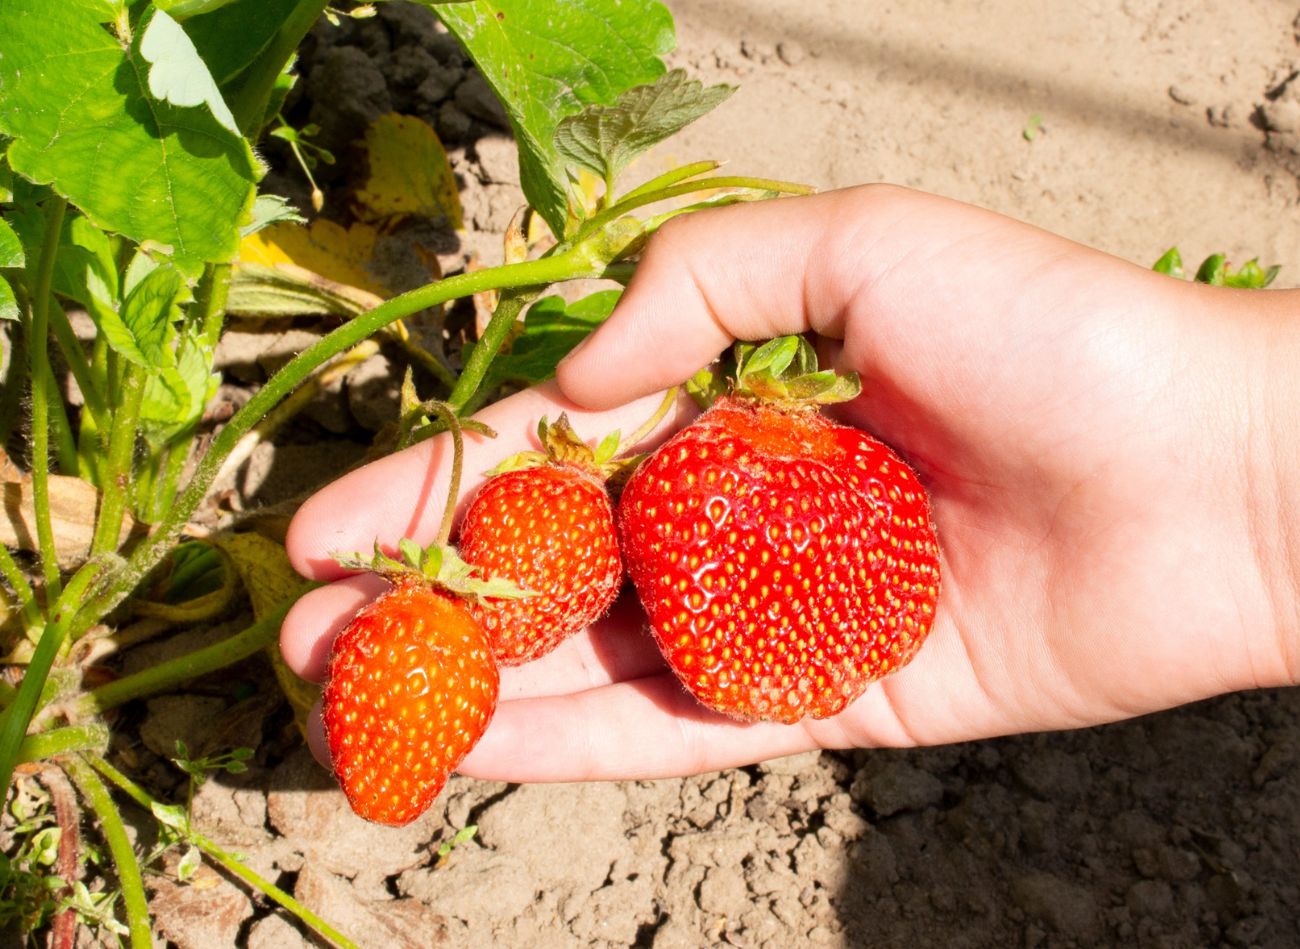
1108 452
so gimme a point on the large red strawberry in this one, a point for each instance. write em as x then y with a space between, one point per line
785 560
412 685
545 523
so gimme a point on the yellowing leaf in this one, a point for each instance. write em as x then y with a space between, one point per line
409 173
264 567
338 254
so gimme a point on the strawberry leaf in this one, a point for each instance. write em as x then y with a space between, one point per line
552 328
8 302
11 248
135 164
546 61
176 73
605 138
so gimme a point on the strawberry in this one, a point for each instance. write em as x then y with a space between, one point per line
785 561
412 685
545 523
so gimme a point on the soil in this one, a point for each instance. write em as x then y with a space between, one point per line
1160 122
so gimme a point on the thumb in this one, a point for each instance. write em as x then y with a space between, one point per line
752 271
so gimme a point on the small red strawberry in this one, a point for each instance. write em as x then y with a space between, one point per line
412 685
545 523
785 561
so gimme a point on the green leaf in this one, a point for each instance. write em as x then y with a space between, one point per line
1212 270
605 138
231 38
85 270
11 248
184 9
176 73
189 864
6 182
174 397
147 169
8 302
552 328
546 61
139 330
1170 262
271 209
772 358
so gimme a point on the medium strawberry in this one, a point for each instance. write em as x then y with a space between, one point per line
412 683
545 523
785 561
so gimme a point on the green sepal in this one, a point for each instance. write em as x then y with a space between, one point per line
785 370
562 445
437 565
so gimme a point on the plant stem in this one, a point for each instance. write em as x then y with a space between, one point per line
494 336
27 598
210 303
115 475
39 361
119 845
170 468
298 400
668 178
190 666
15 719
62 741
232 865
79 365
248 101
640 198
569 265
445 412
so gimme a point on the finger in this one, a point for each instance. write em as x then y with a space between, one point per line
311 624
403 495
751 271
615 648
649 728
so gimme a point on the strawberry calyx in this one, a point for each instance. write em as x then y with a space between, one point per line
784 371
561 445
438 565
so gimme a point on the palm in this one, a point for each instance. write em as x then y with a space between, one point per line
1039 388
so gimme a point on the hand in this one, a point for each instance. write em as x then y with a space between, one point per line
1105 448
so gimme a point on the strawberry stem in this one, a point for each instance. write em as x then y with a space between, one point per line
448 417
669 399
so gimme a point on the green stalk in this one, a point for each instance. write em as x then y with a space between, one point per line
65 445
63 741
210 301
182 669
249 99
229 861
640 198
119 845
163 492
39 361
668 178
26 596
572 264
18 716
79 365
494 336
116 472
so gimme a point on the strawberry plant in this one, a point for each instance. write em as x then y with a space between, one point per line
129 176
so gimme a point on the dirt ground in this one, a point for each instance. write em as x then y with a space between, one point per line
1161 122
